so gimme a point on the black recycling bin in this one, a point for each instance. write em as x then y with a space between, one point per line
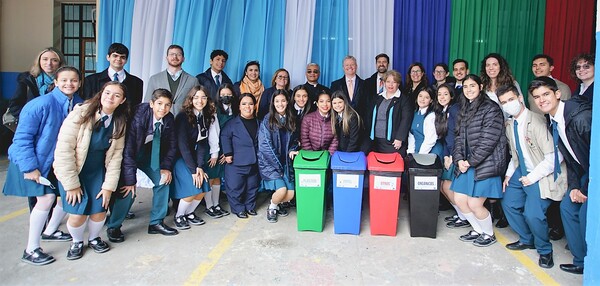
425 172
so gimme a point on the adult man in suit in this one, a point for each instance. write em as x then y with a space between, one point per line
117 58
174 79
214 76
460 70
313 71
529 185
350 83
373 86
543 65
570 123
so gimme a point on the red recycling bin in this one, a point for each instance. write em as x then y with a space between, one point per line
385 173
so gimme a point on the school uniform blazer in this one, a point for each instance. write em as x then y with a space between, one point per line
539 143
187 135
578 127
236 140
265 101
588 94
368 96
27 90
340 84
270 150
350 142
159 80
400 118
452 114
314 91
35 138
205 79
93 84
140 126
72 149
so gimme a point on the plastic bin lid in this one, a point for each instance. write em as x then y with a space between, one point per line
425 161
391 162
348 161
312 160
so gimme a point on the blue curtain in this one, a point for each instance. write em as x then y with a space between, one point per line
421 34
192 19
114 26
330 38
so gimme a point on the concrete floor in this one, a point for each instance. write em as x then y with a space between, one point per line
230 251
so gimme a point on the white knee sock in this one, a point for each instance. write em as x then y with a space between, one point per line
215 192
76 232
208 200
473 221
193 205
182 208
273 206
37 219
94 227
487 225
460 215
57 216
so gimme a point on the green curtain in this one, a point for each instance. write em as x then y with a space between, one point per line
512 28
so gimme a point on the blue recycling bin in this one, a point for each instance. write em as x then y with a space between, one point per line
348 175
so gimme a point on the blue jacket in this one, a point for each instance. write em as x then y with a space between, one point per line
139 128
448 141
270 150
191 151
236 140
205 79
35 139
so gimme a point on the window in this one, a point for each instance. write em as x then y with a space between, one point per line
79 36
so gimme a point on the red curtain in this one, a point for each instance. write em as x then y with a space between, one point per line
569 30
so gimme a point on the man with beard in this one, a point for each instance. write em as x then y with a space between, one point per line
460 69
174 79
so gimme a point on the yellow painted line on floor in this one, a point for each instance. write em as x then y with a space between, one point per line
531 265
215 255
14 214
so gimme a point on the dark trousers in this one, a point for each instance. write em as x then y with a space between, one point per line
574 217
241 185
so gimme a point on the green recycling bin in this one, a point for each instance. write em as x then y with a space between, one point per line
310 169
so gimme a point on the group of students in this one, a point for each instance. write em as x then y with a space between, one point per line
193 133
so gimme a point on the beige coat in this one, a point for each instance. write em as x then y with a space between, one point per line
72 148
539 143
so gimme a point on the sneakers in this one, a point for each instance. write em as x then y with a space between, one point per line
451 218
484 240
57 236
458 223
283 211
181 222
193 219
470 236
219 209
272 215
98 245
213 213
75 251
37 257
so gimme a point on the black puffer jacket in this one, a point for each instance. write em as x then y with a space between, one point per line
482 131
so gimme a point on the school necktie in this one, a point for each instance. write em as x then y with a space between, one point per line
380 90
202 130
116 77
217 80
102 121
522 165
154 157
555 137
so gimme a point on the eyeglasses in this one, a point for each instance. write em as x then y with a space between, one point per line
282 77
440 72
416 71
312 71
583 67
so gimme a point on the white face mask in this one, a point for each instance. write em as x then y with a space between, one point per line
512 108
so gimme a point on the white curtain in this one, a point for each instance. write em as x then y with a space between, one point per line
152 33
370 32
299 25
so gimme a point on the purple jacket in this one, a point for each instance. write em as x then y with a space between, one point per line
316 133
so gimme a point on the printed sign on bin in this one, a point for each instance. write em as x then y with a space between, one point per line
426 183
347 181
309 180
384 183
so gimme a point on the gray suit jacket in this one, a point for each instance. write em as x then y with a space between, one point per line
159 80
565 93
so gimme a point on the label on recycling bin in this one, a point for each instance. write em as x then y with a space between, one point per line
425 183
384 183
347 181
309 180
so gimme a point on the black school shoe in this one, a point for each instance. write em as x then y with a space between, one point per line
58 235
181 222
470 236
546 260
210 212
75 251
115 235
451 218
219 209
98 245
485 240
272 215
251 212
37 257
458 223
193 219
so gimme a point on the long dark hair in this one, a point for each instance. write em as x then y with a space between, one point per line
208 111
347 114
119 116
273 120
432 95
468 109
238 99
409 82
441 114
308 107
505 76
234 97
